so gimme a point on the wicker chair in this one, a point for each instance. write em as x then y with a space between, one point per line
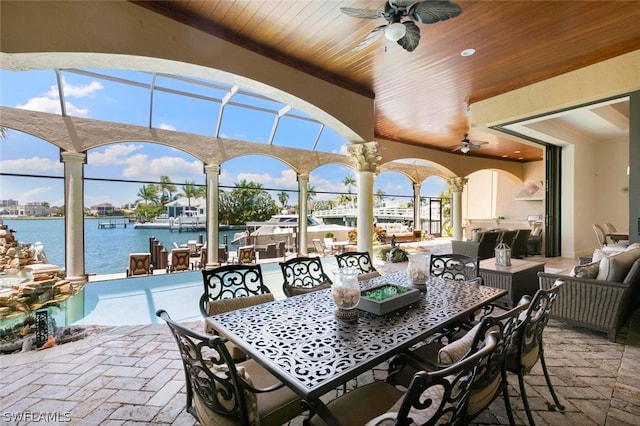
438 397
303 275
222 392
246 255
519 247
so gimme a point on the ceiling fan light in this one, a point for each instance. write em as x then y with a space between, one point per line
395 31
464 149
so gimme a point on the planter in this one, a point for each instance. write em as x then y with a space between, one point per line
403 297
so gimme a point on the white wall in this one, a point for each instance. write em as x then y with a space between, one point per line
612 184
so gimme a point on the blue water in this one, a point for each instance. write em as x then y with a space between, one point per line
106 250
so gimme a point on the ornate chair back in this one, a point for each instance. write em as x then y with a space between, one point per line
442 396
455 266
359 260
139 264
231 281
302 275
221 392
180 260
527 347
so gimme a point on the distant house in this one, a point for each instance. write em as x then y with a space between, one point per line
104 209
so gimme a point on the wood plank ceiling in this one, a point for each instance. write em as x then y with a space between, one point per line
421 96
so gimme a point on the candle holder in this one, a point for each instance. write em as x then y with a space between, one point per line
346 293
503 255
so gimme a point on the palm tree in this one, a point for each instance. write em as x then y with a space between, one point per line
349 182
380 195
283 197
167 187
311 193
148 193
190 190
3 132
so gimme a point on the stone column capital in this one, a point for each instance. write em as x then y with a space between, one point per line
457 184
212 169
73 157
366 156
303 178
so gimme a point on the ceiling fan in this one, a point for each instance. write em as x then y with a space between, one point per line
407 33
466 145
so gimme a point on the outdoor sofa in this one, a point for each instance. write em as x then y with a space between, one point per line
602 294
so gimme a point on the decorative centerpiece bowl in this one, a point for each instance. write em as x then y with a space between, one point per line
346 293
385 298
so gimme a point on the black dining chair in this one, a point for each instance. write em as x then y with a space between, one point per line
232 287
527 347
303 275
220 391
454 267
491 380
432 398
360 260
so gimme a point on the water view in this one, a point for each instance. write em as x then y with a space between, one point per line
106 250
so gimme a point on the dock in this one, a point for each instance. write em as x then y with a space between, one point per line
113 222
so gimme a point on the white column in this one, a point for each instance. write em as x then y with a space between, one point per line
456 186
416 206
212 171
74 215
303 181
366 155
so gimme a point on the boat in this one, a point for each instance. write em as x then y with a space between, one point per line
182 215
282 227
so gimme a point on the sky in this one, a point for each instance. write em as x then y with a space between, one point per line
89 95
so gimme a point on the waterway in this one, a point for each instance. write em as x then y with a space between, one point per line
106 249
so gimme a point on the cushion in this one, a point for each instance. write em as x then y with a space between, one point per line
598 255
633 246
368 276
419 417
615 268
455 350
537 231
208 416
590 270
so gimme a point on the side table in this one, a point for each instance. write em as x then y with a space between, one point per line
518 279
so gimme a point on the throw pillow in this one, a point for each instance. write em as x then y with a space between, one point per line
590 270
455 350
615 268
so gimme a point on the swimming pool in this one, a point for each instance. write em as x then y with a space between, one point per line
135 300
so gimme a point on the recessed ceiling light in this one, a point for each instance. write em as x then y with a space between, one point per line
520 158
468 52
516 152
505 156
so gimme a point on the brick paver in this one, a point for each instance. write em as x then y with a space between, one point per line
109 378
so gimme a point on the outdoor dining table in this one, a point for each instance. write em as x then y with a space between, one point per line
300 340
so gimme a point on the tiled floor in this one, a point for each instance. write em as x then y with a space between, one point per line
132 375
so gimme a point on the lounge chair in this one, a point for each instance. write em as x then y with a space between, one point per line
139 264
179 260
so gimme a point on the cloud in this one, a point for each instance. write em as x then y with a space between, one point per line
52 106
31 165
50 102
113 154
141 167
165 126
34 195
71 91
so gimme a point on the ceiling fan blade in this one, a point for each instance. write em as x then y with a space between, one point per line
477 144
401 3
412 37
371 37
362 13
430 12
